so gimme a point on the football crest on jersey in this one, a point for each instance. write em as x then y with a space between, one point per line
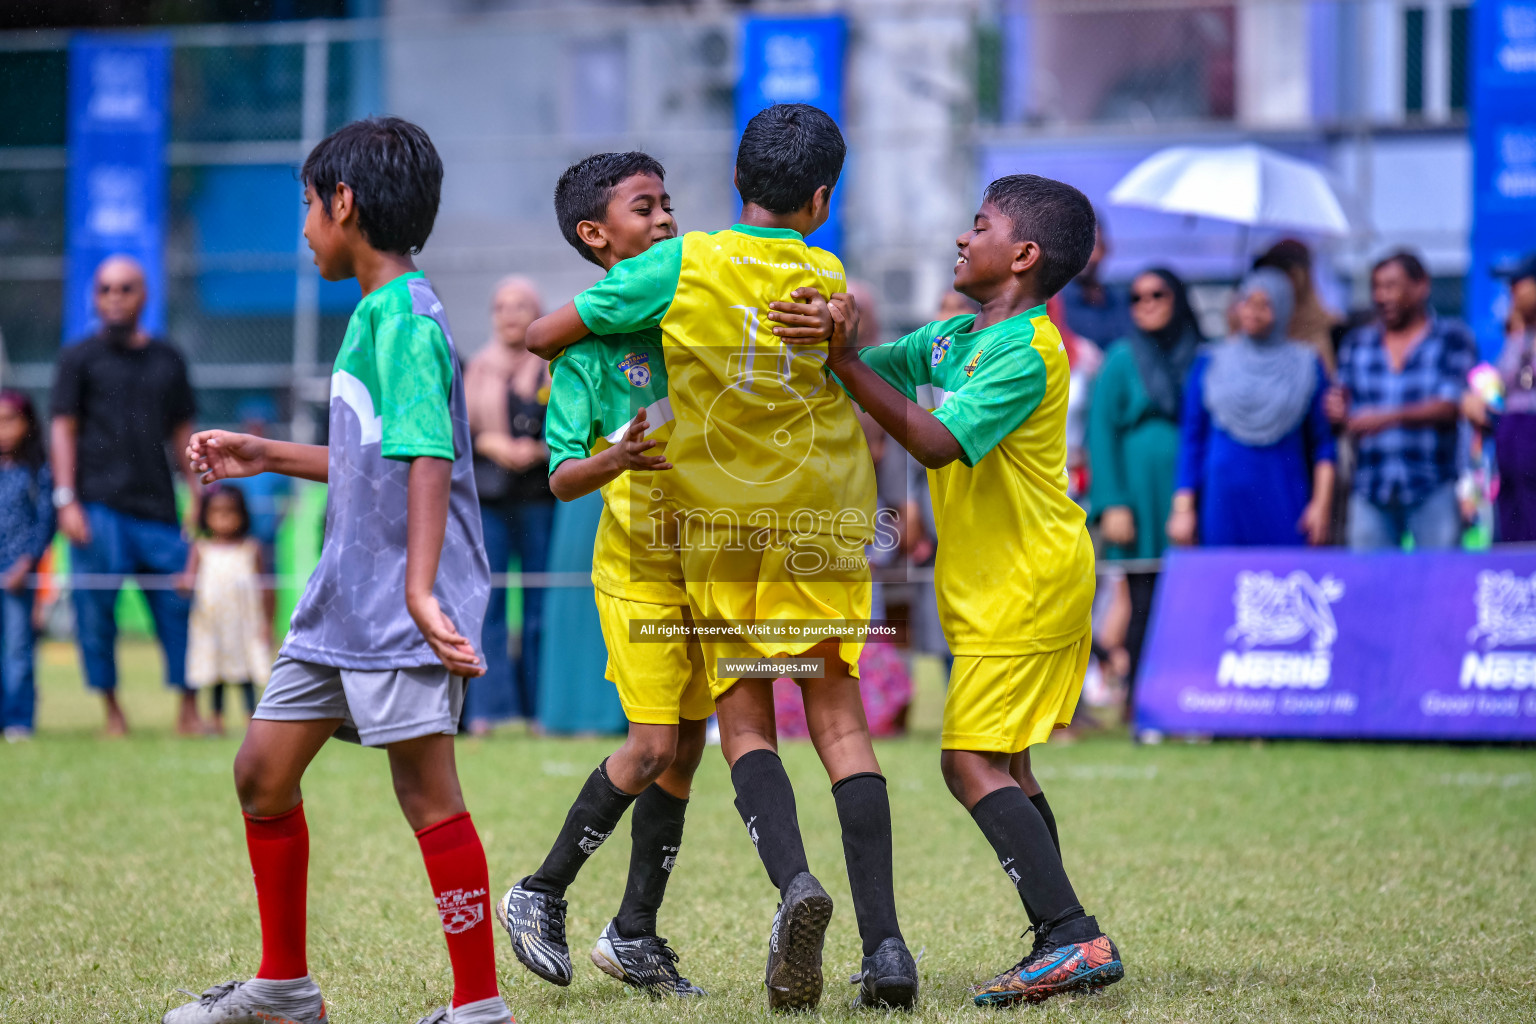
970 367
940 350
637 367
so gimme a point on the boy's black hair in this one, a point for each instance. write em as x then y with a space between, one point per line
30 453
585 189
1055 216
1408 261
788 152
234 494
395 175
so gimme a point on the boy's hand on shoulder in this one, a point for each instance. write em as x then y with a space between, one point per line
222 454
804 321
843 346
455 652
629 454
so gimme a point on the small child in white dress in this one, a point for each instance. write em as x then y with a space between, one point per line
230 634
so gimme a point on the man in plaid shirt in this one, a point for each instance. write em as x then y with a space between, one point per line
1400 379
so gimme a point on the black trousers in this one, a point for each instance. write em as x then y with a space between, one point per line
1141 586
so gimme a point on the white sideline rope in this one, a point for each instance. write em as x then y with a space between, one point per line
500 580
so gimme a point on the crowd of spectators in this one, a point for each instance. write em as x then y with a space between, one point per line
1288 430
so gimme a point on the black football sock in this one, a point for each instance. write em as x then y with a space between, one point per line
766 802
1050 819
592 818
864 810
657 831
1023 843
248 691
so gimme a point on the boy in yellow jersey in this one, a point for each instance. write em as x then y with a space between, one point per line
774 494
981 401
608 413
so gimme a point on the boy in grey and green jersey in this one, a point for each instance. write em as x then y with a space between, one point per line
396 394
388 629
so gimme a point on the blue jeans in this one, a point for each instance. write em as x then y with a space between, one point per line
509 690
18 698
1434 523
123 545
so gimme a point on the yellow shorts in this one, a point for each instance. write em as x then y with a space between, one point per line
658 682
1005 704
792 577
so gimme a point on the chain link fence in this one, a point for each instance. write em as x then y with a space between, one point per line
512 98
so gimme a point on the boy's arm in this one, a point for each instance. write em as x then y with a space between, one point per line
549 335
574 478
223 454
426 520
914 428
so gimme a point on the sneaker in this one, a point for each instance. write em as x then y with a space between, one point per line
535 922
647 963
494 1006
17 734
794 948
1052 968
234 1003
888 977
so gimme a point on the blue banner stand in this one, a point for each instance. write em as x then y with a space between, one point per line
119 97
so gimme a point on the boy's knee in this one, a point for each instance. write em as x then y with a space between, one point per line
652 755
260 795
956 776
690 747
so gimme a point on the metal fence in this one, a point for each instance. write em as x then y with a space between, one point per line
512 98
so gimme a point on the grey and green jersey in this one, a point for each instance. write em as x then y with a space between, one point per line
396 394
596 388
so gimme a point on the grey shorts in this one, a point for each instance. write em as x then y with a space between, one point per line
376 707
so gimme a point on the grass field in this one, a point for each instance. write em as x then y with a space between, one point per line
1242 882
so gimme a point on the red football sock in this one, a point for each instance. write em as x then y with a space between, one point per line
279 849
461 882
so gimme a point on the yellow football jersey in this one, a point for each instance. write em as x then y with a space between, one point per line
763 439
1015 569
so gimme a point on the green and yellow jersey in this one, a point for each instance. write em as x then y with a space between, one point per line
1015 570
596 388
763 440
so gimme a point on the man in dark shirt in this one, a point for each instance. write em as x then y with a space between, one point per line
1400 379
119 398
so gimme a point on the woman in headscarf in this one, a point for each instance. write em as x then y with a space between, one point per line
1312 323
1256 451
506 389
1133 438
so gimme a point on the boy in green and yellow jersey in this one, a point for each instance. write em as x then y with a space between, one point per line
608 415
773 493
981 400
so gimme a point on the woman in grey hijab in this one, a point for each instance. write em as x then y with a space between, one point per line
1256 450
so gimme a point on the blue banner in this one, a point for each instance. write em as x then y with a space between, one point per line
119 94
1430 645
795 60
1503 157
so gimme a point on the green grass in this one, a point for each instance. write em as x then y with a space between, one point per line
1242 882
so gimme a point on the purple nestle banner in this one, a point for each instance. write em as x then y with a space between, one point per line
1264 642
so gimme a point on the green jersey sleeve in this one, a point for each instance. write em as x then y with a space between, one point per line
903 363
1005 389
414 368
636 293
572 414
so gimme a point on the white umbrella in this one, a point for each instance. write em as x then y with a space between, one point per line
1243 184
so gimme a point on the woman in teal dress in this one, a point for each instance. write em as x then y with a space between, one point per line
1133 435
